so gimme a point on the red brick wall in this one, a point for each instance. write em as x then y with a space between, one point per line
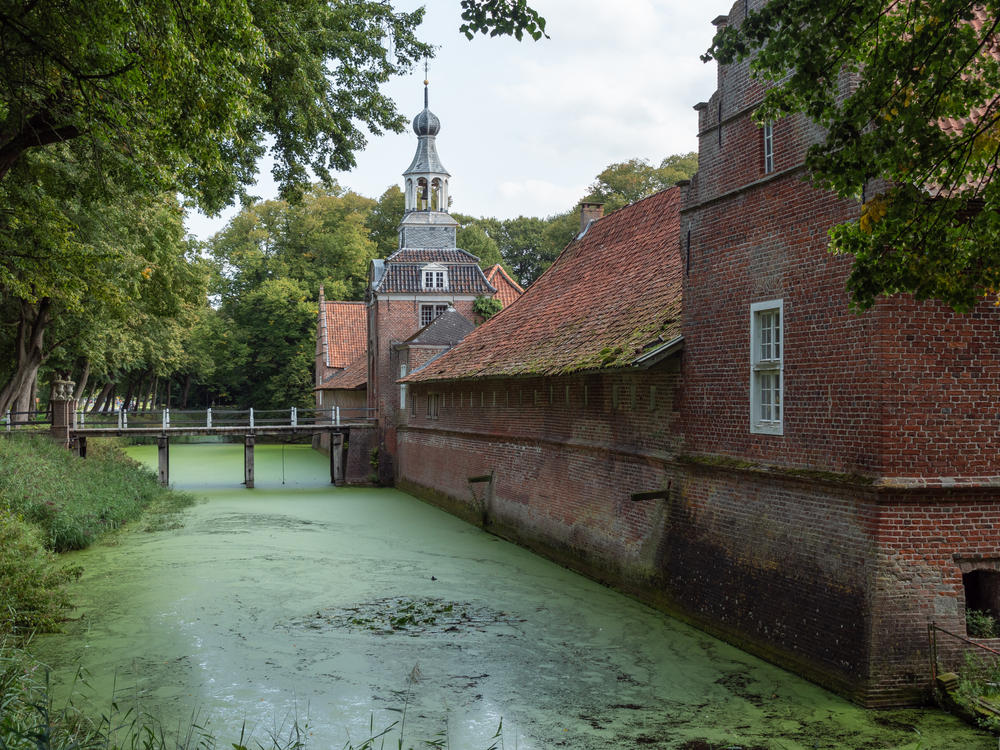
940 385
392 322
729 549
769 243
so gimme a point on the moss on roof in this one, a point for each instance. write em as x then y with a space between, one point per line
611 295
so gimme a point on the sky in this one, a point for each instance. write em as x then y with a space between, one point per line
527 126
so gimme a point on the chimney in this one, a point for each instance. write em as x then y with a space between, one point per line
589 211
322 297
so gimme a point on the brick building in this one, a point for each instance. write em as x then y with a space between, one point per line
407 292
813 485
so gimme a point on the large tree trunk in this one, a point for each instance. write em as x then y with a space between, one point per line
101 404
184 393
127 401
81 384
18 393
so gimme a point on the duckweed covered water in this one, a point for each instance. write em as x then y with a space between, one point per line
341 607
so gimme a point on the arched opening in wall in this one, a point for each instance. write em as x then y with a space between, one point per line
982 603
423 194
436 195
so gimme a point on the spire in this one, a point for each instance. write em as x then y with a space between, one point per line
426 177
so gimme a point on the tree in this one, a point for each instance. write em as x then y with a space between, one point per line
76 267
916 136
185 92
626 182
384 219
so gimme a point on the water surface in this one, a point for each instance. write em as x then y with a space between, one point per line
341 608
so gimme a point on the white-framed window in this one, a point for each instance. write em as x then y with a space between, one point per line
433 405
402 387
767 367
768 147
429 311
434 277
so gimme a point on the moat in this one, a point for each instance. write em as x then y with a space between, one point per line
341 608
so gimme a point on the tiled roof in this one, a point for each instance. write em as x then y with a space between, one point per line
431 255
344 333
462 279
508 290
953 125
352 377
447 329
610 296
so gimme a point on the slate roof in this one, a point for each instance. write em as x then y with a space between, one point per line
611 295
344 333
466 278
430 255
447 329
352 377
508 290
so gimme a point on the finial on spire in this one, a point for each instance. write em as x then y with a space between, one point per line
426 82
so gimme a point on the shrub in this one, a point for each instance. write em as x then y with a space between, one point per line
487 307
980 624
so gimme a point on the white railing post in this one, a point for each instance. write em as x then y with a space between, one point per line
119 418
295 417
75 416
83 417
125 419
166 418
251 417
208 417
337 410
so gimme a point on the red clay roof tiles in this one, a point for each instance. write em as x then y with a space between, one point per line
508 290
345 332
607 296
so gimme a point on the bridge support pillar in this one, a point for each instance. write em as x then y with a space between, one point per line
337 458
163 454
248 462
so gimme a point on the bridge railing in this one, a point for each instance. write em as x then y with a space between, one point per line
24 420
214 417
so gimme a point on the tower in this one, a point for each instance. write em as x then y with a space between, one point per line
426 223
421 280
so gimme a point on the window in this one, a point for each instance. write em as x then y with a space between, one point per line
435 277
430 312
432 405
768 147
766 367
402 387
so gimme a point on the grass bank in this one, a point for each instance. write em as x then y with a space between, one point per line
51 502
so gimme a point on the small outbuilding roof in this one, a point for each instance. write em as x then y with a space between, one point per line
447 329
344 332
612 297
508 290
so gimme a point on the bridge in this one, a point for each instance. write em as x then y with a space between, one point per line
76 426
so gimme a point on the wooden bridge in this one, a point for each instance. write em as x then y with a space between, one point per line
76 426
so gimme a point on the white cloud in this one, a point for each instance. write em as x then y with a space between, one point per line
527 126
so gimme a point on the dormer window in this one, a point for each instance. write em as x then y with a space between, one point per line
435 278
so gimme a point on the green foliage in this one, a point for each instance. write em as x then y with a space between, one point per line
629 181
497 17
70 501
473 238
487 307
930 223
980 624
31 580
185 93
384 219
